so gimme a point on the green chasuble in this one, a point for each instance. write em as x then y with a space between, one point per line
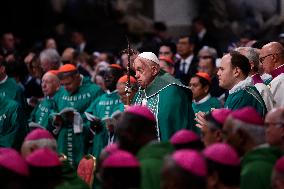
151 159
74 145
10 89
245 94
170 101
205 105
257 167
103 107
41 114
13 126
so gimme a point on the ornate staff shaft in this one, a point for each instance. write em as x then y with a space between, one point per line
128 84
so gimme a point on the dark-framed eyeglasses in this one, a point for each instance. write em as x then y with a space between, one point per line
261 59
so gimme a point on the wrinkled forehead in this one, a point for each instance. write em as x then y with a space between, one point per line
49 77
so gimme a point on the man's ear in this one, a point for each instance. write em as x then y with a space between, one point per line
155 69
237 72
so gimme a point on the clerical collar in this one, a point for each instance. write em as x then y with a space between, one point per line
256 78
279 70
108 91
241 85
4 80
188 59
82 78
203 99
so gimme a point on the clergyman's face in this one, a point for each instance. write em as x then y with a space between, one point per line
225 73
143 72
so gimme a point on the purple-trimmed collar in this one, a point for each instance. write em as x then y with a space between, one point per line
277 71
256 79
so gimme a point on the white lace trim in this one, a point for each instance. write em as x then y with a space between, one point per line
207 97
241 85
4 80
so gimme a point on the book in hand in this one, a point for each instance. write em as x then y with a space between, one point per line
91 117
112 120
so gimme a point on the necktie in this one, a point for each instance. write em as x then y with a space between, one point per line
183 64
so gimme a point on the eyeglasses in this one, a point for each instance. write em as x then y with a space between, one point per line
263 58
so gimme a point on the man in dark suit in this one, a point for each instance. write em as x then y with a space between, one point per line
187 66
203 37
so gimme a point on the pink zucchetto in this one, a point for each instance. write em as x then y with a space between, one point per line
10 159
38 134
247 115
223 154
191 161
184 136
120 159
279 165
220 115
43 158
142 111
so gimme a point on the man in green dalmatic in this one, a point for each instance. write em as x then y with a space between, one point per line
167 97
78 93
233 76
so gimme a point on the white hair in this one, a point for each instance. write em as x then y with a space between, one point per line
43 143
256 132
51 55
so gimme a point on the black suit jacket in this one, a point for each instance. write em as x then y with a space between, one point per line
192 70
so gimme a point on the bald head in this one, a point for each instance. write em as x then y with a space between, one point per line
271 56
68 55
277 114
50 84
274 122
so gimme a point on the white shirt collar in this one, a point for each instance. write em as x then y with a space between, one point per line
187 61
4 80
82 78
202 33
82 46
108 91
203 99
241 85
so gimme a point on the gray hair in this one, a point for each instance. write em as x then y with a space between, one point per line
251 54
209 50
51 55
256 132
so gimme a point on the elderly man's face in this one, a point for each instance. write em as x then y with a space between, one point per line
144 72
50 84
265 59
274 128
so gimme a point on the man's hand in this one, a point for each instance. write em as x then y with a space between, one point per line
200 119
58 121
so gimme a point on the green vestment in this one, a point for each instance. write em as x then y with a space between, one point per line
245 94
257 167
10 89
103 108
151 158
205 105
41 114
13 125
75 145
170 101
